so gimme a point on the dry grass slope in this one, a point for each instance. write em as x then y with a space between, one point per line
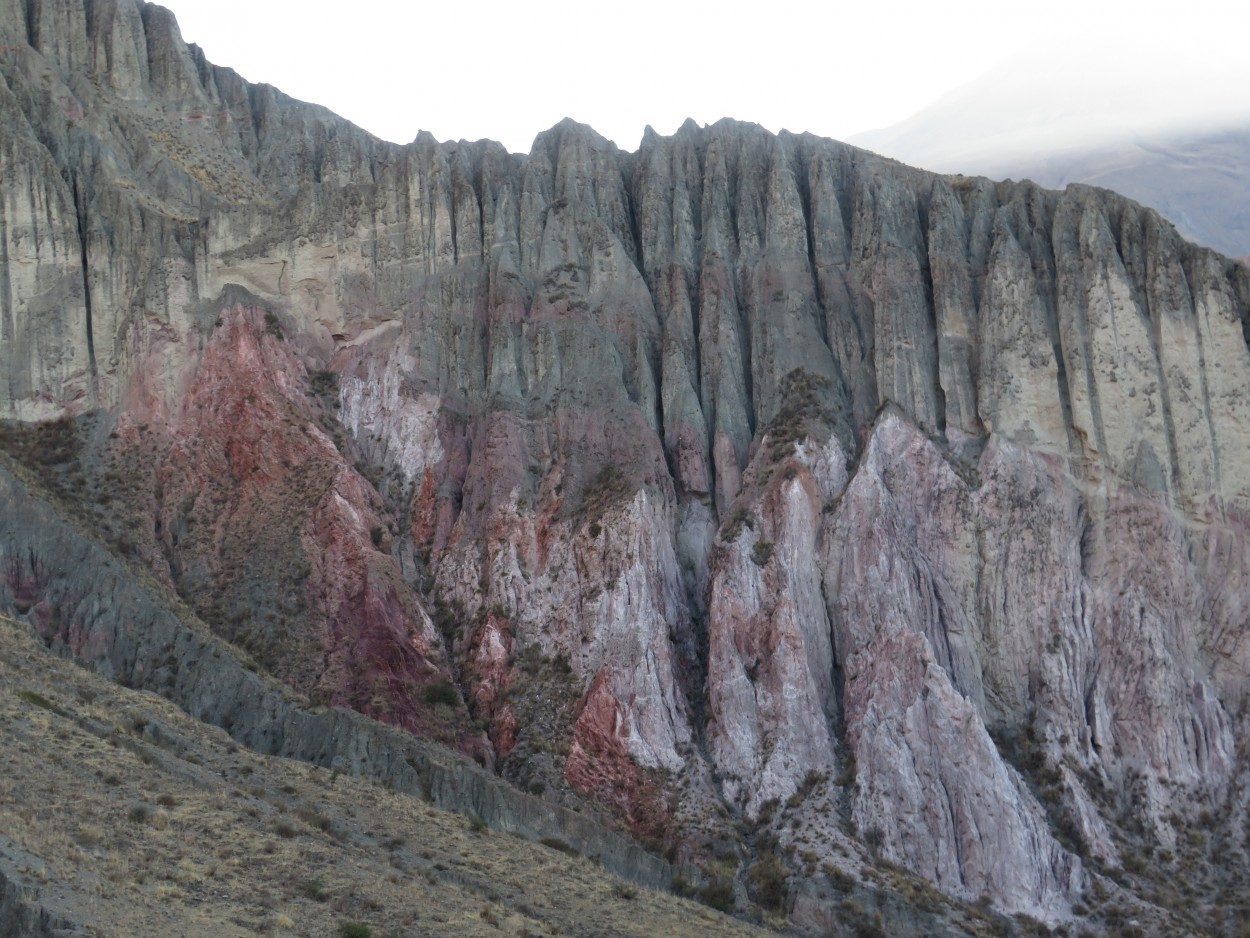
126 816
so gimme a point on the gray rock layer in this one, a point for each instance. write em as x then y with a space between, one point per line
20 918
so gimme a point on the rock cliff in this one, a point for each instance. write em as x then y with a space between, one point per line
778 501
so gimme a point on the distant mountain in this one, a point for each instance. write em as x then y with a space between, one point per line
1186 155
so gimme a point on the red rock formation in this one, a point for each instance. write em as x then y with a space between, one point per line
487 670
599 763
262 517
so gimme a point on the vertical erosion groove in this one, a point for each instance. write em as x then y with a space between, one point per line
1061 381
635 225
693 276
8 327
80 214
32 29
1202 311
924 206
6 287
1076 445
802 168
1154 316
1239 278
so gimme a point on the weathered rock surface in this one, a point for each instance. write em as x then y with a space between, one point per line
703 478
20 918
94 607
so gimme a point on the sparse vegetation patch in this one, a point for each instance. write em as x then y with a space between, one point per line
802 405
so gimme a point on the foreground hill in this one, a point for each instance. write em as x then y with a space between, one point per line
122 815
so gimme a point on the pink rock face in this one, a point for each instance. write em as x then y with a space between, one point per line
602 594
256 499
932 785
958 609
928 601
600 764
487 670
770 657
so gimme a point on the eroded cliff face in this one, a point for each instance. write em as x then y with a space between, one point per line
744 479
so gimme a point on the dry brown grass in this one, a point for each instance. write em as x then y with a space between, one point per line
127 816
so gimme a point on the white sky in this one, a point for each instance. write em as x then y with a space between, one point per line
508 70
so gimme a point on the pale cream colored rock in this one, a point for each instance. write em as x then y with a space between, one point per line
1018 394
374 405
771 697
47 363
608 602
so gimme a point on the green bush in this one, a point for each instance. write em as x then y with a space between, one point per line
314 888
324 383
606 489
355 930
39 700
731 528
719 894
802 404
273 326
841 881
440 692
762 552
766 881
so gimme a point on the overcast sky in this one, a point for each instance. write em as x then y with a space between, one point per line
507 70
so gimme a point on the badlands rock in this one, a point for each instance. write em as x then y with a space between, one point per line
693 475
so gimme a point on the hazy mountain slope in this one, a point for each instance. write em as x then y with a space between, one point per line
1180 152
801 513
1200 182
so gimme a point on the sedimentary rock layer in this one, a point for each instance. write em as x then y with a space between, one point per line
694 475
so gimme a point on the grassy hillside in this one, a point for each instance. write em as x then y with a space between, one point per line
124 816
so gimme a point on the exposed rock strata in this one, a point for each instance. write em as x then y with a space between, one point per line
20 918
90 605
705 470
